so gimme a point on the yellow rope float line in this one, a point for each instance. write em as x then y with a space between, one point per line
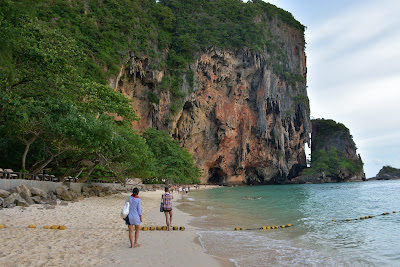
2 226
366 217
264 227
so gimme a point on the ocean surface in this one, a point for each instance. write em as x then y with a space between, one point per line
314 239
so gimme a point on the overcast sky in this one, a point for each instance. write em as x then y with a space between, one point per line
353 53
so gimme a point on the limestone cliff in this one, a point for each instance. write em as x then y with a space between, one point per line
334 155
244 115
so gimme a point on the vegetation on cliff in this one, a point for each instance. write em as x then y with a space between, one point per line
330 144
55 112
56 109
388 172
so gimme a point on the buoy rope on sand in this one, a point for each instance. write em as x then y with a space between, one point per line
63 227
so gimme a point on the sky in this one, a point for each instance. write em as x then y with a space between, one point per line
353 71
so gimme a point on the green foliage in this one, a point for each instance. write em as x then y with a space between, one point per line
332 163
330 127
153 98
389 170
56 108
172 162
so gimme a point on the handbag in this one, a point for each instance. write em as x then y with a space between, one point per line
162 205
125 210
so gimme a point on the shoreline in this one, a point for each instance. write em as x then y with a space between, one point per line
96 235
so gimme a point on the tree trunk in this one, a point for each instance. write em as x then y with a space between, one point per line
41 167
84 178
28 144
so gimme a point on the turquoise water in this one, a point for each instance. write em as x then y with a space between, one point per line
314 239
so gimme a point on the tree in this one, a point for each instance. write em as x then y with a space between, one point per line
172 162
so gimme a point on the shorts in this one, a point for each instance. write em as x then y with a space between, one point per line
167 210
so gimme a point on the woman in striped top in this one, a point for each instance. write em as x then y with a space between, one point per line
167 200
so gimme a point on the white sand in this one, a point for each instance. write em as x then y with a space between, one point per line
96 235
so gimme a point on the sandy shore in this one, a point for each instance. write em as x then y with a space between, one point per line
96 235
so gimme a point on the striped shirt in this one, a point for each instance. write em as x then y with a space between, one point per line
167 199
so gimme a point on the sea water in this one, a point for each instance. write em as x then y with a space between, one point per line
314 239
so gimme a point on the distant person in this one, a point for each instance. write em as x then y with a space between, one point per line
134 217
167 200
186 190
180 189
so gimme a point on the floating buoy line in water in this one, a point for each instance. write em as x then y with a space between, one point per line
289 225
365 217
264 227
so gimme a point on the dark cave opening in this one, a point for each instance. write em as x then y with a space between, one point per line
216 176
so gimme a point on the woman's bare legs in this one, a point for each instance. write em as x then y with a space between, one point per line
130 227
168 219
136 245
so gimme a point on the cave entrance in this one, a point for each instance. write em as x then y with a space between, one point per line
254 177
216 176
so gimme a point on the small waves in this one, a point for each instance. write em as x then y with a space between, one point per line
253 249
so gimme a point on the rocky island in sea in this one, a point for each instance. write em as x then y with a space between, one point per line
334 155
387 173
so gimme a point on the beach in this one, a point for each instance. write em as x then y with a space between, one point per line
96 235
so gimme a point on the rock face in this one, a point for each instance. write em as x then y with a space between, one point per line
340 161
242 121
387 173
328 133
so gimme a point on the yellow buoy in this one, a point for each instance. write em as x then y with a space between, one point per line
54 227
241 229
145 228
276 227
348 220
371 216
152 228
175 228
140 227
394 211
237 229
283 226
164 228
333 220
182 228
288 225
33 226
268 227
62 227
2 226
159 228
46 227
362 218
264 227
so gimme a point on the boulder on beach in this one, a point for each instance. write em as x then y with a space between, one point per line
38 192
63 193
26 197
24 189
22 203
4 193
36 199
10 201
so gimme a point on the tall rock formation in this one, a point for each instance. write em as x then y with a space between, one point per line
244 116
334 155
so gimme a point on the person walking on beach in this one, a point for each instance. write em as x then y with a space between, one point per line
134 217
167 200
